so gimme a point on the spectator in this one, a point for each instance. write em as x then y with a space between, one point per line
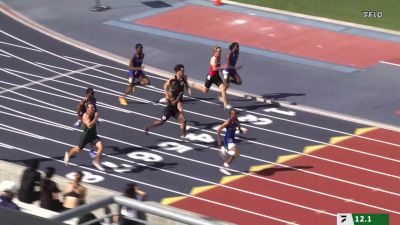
7 191
49 196
74 193
30 179
88 217
129 215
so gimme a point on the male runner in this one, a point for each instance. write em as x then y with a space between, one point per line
214 78
229 151
81 109
173 96
230 71
182 84
135 71
89 135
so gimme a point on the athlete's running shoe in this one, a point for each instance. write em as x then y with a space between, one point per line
228 107
163 100
123 101
78 123
92 154
98 166
225 171
66 158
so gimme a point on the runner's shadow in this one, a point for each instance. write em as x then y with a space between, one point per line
120 151
272 171
27 162
281 96
204 125
140 168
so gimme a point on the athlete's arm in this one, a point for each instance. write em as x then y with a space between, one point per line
224 125
228 61
80 108
166 85
240 128
189 90
87 122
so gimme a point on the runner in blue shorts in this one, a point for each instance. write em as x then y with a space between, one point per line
229 151
135 73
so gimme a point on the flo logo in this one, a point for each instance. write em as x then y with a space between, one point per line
372 14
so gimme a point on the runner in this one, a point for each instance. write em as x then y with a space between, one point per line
229 151
173 96
81 109
214 78
89 135
182 83
230 73
135 71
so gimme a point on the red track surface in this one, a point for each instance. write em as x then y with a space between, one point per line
273 35
377 201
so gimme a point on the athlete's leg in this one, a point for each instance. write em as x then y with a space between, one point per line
182 121
200 88
222 89
237 79
73 151
236 153
153 125
100 149
144 80
180 106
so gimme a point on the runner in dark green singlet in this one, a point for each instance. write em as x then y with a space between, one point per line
89 135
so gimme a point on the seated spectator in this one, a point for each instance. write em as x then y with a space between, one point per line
49 195
128 214
7 191
88 217
30 179
74 193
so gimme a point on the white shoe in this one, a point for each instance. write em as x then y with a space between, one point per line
183 138
225 171
98 166
228 107
226 165
78 123
163 100
66 158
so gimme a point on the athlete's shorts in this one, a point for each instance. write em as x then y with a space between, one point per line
133 74
84 141
169 111
229 143
229 73
213 80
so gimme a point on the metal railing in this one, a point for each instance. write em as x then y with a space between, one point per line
155 209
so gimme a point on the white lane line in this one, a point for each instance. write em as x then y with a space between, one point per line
208 164
19 46
149 185
201 145
4 55
244 110
220 119
47 79
250 141
389 63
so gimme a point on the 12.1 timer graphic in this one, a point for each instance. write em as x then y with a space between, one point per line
358 219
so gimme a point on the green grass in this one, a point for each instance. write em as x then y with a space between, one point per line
344 10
